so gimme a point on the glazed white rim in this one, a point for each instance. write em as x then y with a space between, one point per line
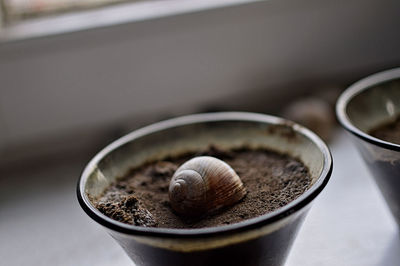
252 223
353 91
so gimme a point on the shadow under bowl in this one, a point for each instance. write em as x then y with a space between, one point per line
264 240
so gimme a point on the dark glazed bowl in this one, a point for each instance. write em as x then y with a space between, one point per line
264 240
364 106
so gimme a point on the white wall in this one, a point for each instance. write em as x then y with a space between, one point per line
232 55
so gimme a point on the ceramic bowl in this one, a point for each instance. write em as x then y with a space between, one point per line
264 240
364 106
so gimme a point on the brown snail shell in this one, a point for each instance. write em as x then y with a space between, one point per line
203 184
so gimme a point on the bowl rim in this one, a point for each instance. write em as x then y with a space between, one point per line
354 90
269 218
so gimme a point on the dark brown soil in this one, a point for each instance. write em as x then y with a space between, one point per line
389 131
141 198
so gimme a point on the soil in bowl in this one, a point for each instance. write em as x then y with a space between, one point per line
388 131
271 179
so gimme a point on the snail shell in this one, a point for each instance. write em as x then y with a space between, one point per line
203 184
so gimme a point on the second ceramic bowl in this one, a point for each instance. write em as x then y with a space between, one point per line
364 106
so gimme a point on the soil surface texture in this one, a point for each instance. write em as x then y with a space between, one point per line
272 180
389 131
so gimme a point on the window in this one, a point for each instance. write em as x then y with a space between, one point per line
17 10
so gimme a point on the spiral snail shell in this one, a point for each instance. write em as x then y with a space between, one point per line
203 184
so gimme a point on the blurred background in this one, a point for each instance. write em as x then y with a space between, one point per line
75 75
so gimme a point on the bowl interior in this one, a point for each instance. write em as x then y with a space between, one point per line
172 138
374 105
